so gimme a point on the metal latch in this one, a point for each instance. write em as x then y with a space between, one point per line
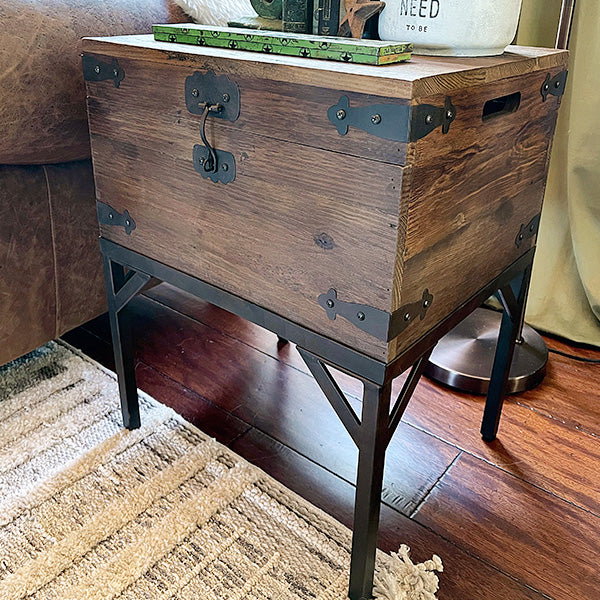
219 97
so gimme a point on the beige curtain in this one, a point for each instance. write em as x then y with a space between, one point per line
565 289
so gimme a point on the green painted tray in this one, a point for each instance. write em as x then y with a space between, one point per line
366 52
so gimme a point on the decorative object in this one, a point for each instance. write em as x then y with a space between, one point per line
295 16
452 27
215 12
328 17
88 510
368 52
358 12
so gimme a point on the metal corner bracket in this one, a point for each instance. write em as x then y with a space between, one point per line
374 321
528 231
107 215
554 86
426 118
98 70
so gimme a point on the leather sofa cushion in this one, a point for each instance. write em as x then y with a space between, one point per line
42 93
51 277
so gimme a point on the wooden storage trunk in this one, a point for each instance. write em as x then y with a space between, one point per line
404 188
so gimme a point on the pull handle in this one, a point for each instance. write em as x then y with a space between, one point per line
504 105
211 164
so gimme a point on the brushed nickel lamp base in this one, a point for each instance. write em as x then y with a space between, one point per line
463 358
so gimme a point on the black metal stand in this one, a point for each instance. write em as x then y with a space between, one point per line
126 274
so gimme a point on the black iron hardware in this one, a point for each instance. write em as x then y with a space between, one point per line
387 121
371 320
378 323
209 95
224 161
528 231
107 215
427 118
97 70
554 86
408 313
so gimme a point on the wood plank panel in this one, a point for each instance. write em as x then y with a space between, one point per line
276 110
258 236
465 576
541 540
525 441
469 193
422 75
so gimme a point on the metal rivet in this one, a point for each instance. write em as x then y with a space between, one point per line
330 303
429 119
116 72
546 87
195 93
201 161
426 304
127 222
407 317
520 236
97 69
341 115
226 97
360 316
225 167
450 114
376 119
110 216
532 228
557 84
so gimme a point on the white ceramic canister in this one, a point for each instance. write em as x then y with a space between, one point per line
451 27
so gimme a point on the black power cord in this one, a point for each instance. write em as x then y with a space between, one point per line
595 361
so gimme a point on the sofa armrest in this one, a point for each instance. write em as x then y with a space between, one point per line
42 94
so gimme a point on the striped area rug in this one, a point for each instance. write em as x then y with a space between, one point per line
89 511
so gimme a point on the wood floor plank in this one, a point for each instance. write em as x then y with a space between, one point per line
539 539
536 448
284 402
464 578
211 419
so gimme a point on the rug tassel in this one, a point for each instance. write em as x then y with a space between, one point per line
400 579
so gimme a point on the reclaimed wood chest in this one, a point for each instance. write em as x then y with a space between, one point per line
363 203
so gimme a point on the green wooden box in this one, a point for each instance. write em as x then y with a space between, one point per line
367 52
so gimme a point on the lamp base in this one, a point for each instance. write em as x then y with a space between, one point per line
464 357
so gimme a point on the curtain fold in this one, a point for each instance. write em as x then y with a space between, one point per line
565 289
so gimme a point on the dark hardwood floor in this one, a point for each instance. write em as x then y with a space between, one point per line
515 519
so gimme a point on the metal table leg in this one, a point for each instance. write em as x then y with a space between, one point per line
371 434
514 298
121 287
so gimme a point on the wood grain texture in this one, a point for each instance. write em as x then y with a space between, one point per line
546 542
445 222
257 236
422 76
527 438
469 192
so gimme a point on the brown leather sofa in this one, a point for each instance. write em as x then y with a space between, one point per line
50 270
